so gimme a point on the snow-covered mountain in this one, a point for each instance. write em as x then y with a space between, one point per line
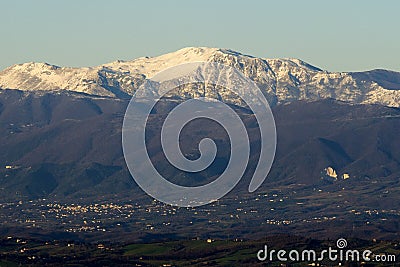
281 80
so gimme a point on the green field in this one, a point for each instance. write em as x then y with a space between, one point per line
18 252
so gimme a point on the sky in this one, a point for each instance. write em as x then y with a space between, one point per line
333 35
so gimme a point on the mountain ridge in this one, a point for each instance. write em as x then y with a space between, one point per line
281 80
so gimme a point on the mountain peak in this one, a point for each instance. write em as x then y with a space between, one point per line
34 65
197 49
204 53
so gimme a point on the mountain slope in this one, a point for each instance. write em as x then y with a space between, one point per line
68 143
281 80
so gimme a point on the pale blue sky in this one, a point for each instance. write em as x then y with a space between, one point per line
333 35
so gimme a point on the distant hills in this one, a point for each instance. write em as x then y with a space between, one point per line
69 144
